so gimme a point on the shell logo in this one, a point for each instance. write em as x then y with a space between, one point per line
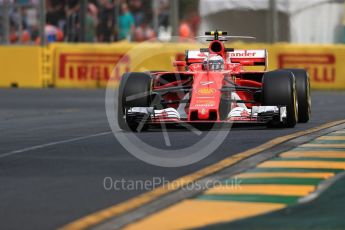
206 91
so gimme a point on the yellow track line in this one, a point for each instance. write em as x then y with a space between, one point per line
323 175
323 146
335 138
262 189
340 132
196 213
126 206
314 154
303 164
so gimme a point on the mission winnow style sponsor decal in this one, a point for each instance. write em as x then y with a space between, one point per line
272 185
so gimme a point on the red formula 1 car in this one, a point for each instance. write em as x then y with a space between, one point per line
215 88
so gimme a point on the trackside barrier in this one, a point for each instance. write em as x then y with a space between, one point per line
89 66
93 65
47 66
324 63
20 66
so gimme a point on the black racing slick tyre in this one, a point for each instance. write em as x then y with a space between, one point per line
303 94
134 91
279 90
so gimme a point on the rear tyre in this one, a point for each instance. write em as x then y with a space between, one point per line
279 90
303 94
134 91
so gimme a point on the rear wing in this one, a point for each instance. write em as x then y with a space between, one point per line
243 57
248 57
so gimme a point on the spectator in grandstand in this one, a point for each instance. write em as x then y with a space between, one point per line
194 22
72 20
126 23
26 37
136 7
185 31
163 13
13 34
144 32
56 11
91 23
52 33
106 19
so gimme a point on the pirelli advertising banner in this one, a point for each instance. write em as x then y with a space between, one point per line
90 65
325 64
85 66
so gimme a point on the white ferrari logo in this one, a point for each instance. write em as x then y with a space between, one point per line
206 83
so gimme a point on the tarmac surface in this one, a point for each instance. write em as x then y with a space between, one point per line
56 149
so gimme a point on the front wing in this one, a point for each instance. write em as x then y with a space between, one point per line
257 114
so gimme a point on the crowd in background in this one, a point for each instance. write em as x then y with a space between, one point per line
105 20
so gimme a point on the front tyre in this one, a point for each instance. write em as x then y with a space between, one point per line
134 91
279 90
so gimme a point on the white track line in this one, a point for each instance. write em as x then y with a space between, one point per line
35 147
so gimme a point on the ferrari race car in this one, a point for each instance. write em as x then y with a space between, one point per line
215 88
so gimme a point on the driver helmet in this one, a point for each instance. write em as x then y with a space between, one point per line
215 63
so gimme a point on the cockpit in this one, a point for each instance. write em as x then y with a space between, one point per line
213 63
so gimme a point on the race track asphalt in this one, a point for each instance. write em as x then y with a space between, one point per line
49 186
